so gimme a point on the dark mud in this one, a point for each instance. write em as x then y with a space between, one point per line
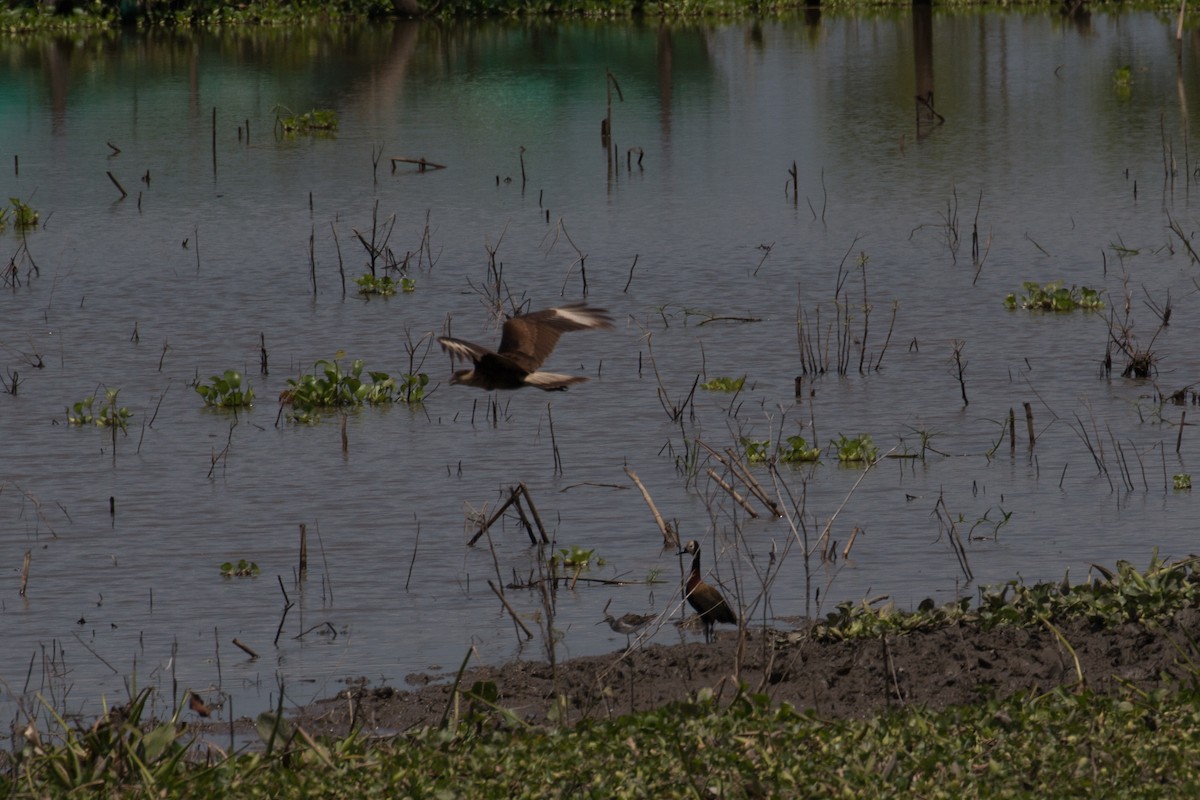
954 665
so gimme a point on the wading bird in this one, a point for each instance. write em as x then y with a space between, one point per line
526 342
628 624
707 601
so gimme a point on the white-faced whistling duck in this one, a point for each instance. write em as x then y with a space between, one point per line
707 601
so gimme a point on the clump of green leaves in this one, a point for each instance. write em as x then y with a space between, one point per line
22 215
1182 481
109 414
857 449
798 452
242 569
331 387
724 384
575 557
1117 597
319 120
1055 297
757 450
121 749
225 391
412 388
369 284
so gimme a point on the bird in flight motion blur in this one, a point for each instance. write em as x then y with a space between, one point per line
526 343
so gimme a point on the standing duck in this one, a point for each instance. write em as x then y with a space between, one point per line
707 601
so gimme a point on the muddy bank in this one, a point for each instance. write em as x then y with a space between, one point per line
954 665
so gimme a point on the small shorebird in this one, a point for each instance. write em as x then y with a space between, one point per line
707 601
628 624
526 343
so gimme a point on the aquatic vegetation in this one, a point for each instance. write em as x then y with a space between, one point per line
385 286
575 557
331 387
319 120
225 391
1055 297
242 569
1182 481
852 450
798 451
369 284
22 215
724 384
757 451
110 415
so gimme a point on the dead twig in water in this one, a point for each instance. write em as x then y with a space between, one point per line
670 536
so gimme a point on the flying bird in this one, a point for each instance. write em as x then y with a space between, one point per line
527 341
707 601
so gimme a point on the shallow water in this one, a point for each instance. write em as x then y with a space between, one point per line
1041 150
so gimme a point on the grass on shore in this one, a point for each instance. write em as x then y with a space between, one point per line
1062 743
1058 744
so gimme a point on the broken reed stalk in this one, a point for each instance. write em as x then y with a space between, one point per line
303 552
1012 430
1029 425
509 608
794 173
423 164
413 562
345 439
117 183
312 259
822 542
341 265
960 367
955 540
25 571
1179 438
514 497
262 355
670 537
537 518
739 469
630 279
850 542
287 606
741 501
553 442
245 648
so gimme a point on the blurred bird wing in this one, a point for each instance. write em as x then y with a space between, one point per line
530 339
463 350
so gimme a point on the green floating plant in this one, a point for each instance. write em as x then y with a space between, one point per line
369 285
109 415
857 449
332 387
242 569
319 120
1183 481
225 391
23 215
798 452
1055 297
724 384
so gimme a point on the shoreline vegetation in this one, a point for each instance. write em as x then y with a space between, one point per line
20 16
1101 689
